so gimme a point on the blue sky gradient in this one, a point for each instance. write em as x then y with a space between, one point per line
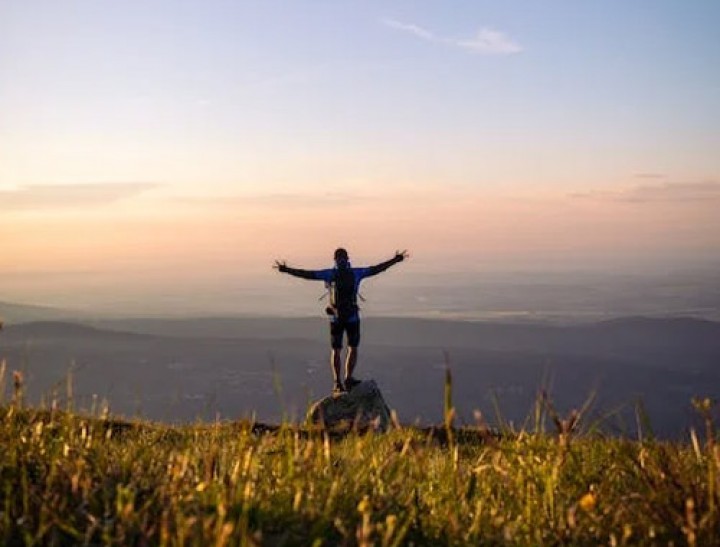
528 131
633 79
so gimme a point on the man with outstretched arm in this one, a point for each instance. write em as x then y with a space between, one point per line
343 282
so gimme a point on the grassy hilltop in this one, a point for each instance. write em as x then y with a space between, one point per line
67 479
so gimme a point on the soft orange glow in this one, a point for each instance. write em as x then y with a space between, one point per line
242 236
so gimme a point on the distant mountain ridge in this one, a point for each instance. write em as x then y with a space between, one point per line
185 369
21 313
662 343
660 339
54 328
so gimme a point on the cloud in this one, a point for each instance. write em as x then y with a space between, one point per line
412 29
649 175
326 198
490 42
69 196
288 200
487 41
658 193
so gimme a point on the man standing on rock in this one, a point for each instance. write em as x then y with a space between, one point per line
343 282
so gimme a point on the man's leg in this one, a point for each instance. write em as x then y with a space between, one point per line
350 362
335 364
353 330
336 339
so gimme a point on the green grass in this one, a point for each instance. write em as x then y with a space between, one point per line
68 479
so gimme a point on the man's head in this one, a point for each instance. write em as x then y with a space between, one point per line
341 256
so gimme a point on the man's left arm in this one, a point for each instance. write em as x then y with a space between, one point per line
379 268
313 275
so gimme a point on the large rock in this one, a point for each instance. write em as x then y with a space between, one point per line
363 407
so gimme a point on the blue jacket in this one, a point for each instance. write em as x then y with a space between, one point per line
328 275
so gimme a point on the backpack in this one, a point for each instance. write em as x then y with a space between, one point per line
343 294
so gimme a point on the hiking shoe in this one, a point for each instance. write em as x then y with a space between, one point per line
339 389
351 383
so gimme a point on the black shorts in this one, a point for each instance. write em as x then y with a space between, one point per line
339 327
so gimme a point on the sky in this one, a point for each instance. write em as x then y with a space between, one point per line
177 144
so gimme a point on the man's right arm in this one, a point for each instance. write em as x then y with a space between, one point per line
297 272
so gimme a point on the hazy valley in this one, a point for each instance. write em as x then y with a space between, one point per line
203 368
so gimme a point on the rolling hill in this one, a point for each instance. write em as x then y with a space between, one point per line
181 370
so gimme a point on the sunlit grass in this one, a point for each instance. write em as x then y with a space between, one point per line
68 479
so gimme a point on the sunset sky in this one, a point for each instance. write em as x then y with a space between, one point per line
188 143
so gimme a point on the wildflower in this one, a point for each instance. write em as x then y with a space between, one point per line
702 405
364 505
17 380
588 502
